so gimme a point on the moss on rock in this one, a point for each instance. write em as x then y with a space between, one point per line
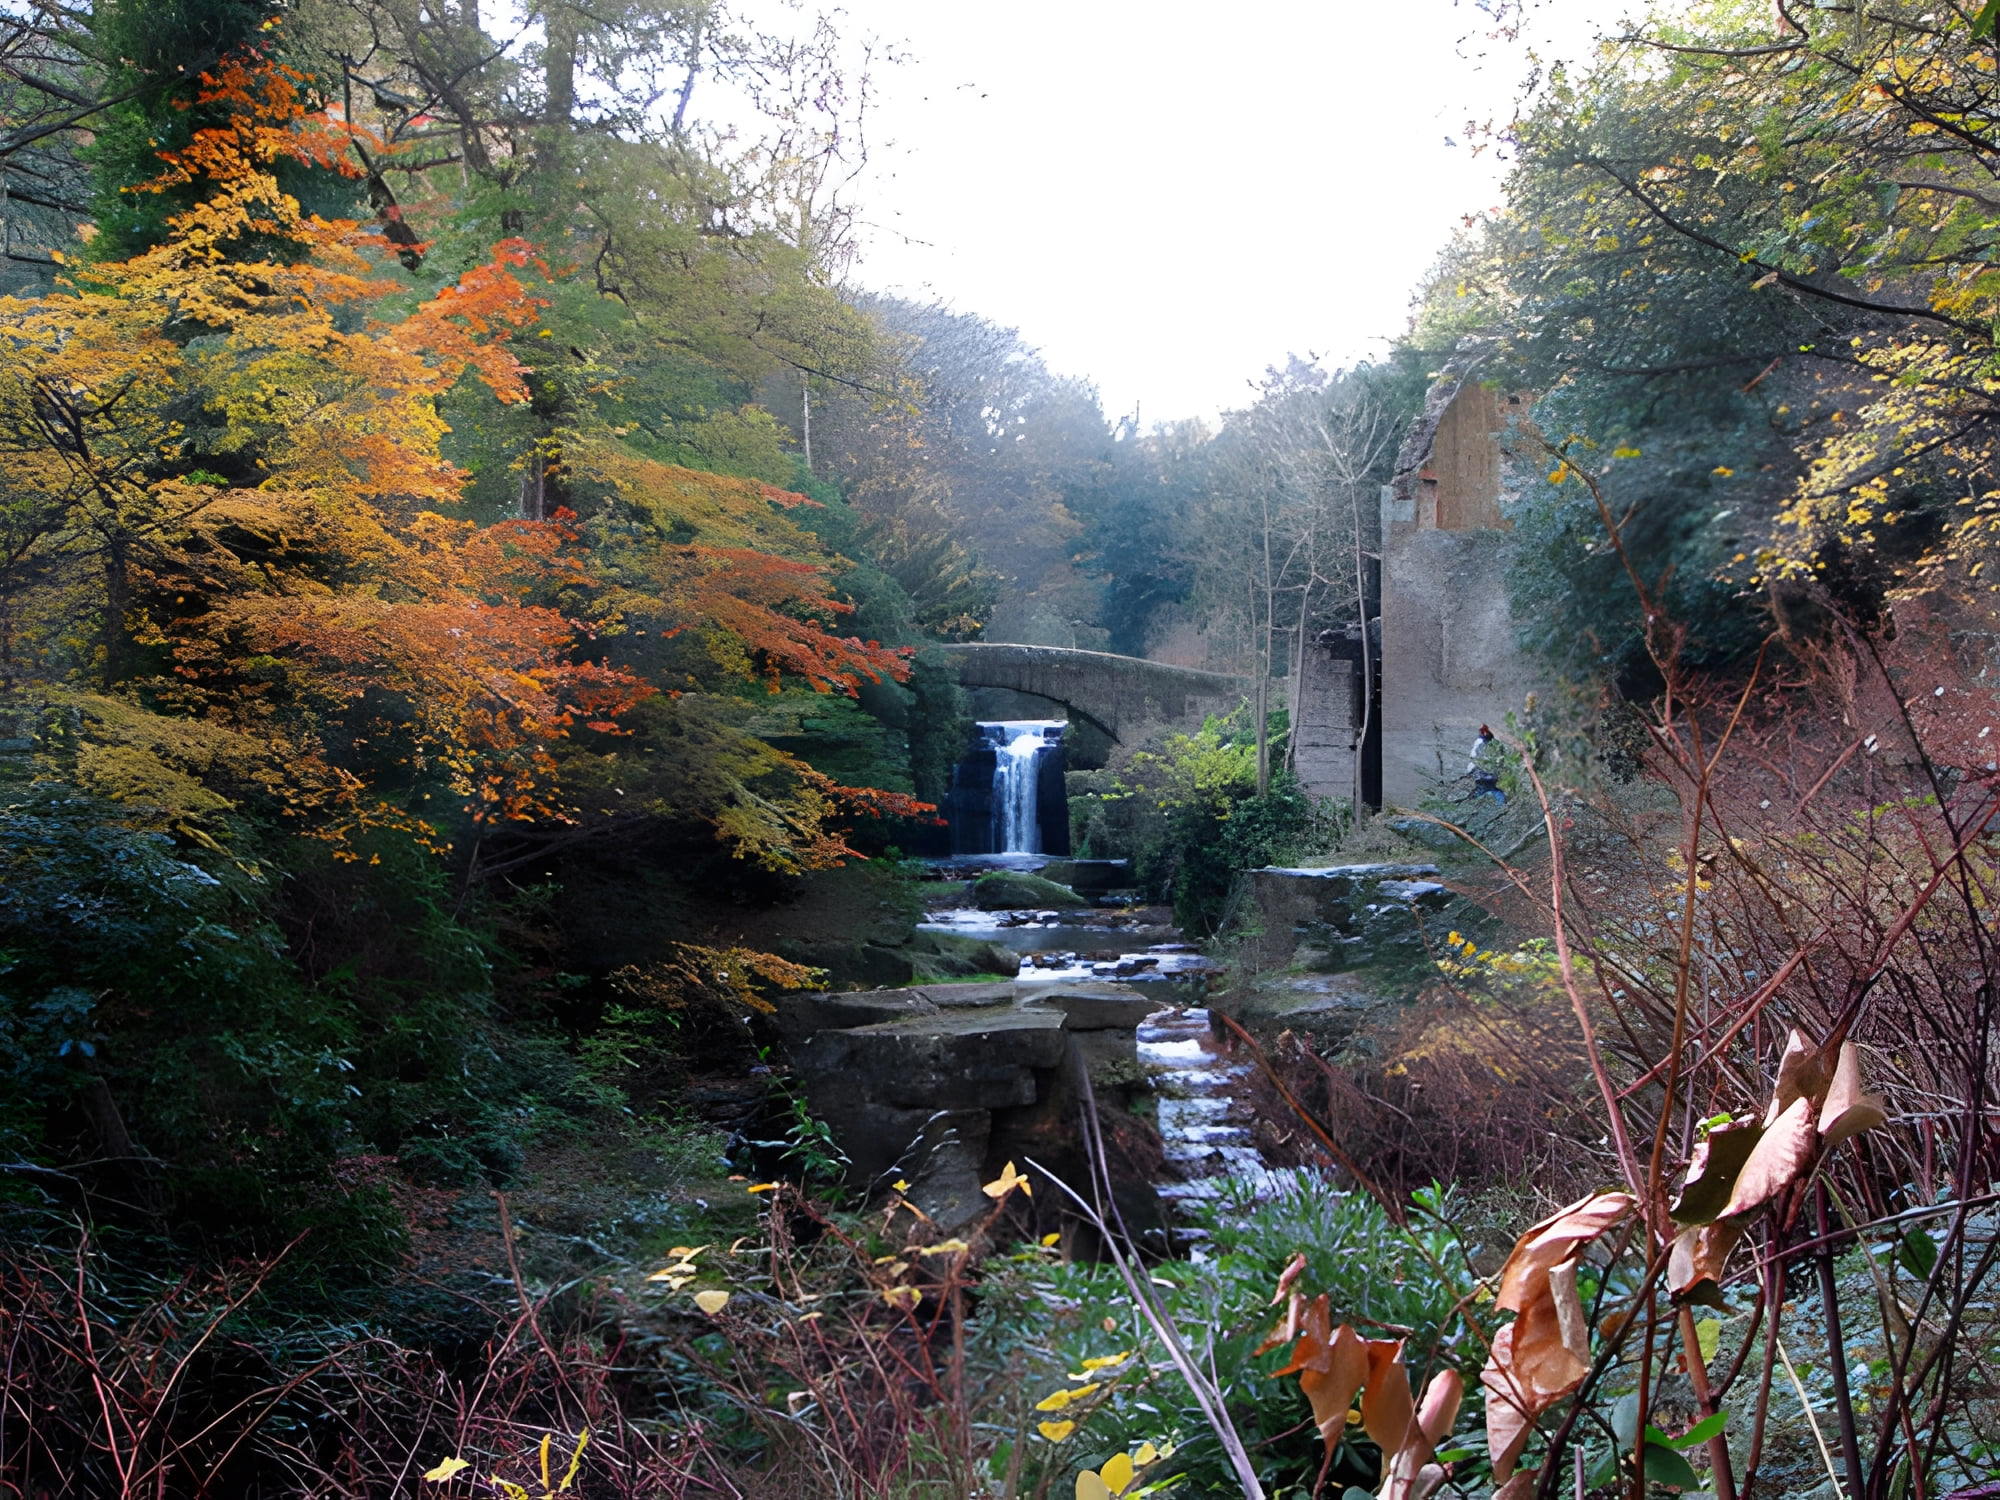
1012 890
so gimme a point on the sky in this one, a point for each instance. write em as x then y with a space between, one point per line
1166 198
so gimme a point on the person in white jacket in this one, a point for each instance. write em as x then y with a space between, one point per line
1483 767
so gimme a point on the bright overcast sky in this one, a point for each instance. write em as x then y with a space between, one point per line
1166 197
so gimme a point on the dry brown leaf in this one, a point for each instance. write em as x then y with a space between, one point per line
1332 1363
1555 1239
1509 1414
1698 1256
1388 1409
1331 1389
1782 1155
1713 1169
1312 1325
1439 1412
1410 1474
1529 1370
1520 1487
1288 1329
1803 1073
1544 1353
1291 1273
1571 1324
1847 1111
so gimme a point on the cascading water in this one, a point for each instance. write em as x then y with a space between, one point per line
1006 794
1016 785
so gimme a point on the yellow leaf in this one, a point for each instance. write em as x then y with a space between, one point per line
906 1297
1624 452
762 1187
1089 1486
900 1185
1061 1399
1105 1361
1708 1336
1117 1474
1146 1455
945 1247
1723 469
1006 1182
575 1460
1050 1241
711 1301
1055 1432
445 1470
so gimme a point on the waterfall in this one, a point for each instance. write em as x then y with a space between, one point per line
1000 798
1016 778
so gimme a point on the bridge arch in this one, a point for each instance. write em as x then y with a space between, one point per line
1121 695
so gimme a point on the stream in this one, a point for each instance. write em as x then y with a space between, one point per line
1202 1100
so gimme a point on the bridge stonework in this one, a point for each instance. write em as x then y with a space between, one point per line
1127 696
1122 695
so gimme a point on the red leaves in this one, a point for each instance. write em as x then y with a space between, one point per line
757 598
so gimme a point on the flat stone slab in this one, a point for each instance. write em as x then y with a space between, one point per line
1091 1007
971 996
804 1015
972 1058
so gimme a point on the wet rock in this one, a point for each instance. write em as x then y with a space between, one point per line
1001 890
938 1084
944 955
1346 916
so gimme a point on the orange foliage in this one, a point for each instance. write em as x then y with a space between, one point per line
316 596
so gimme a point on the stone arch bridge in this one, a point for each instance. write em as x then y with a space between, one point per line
1121 695
1124 697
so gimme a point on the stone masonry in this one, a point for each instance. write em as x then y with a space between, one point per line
1449 662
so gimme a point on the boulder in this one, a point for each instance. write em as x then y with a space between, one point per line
1012 890
1347 916
971 1058
939 1084
948 955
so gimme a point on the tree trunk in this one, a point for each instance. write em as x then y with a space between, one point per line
117 601
1264 727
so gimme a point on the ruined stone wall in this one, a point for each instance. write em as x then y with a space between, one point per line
1448 657
1328 722
1449 662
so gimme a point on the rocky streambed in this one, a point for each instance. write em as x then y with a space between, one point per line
939 1084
